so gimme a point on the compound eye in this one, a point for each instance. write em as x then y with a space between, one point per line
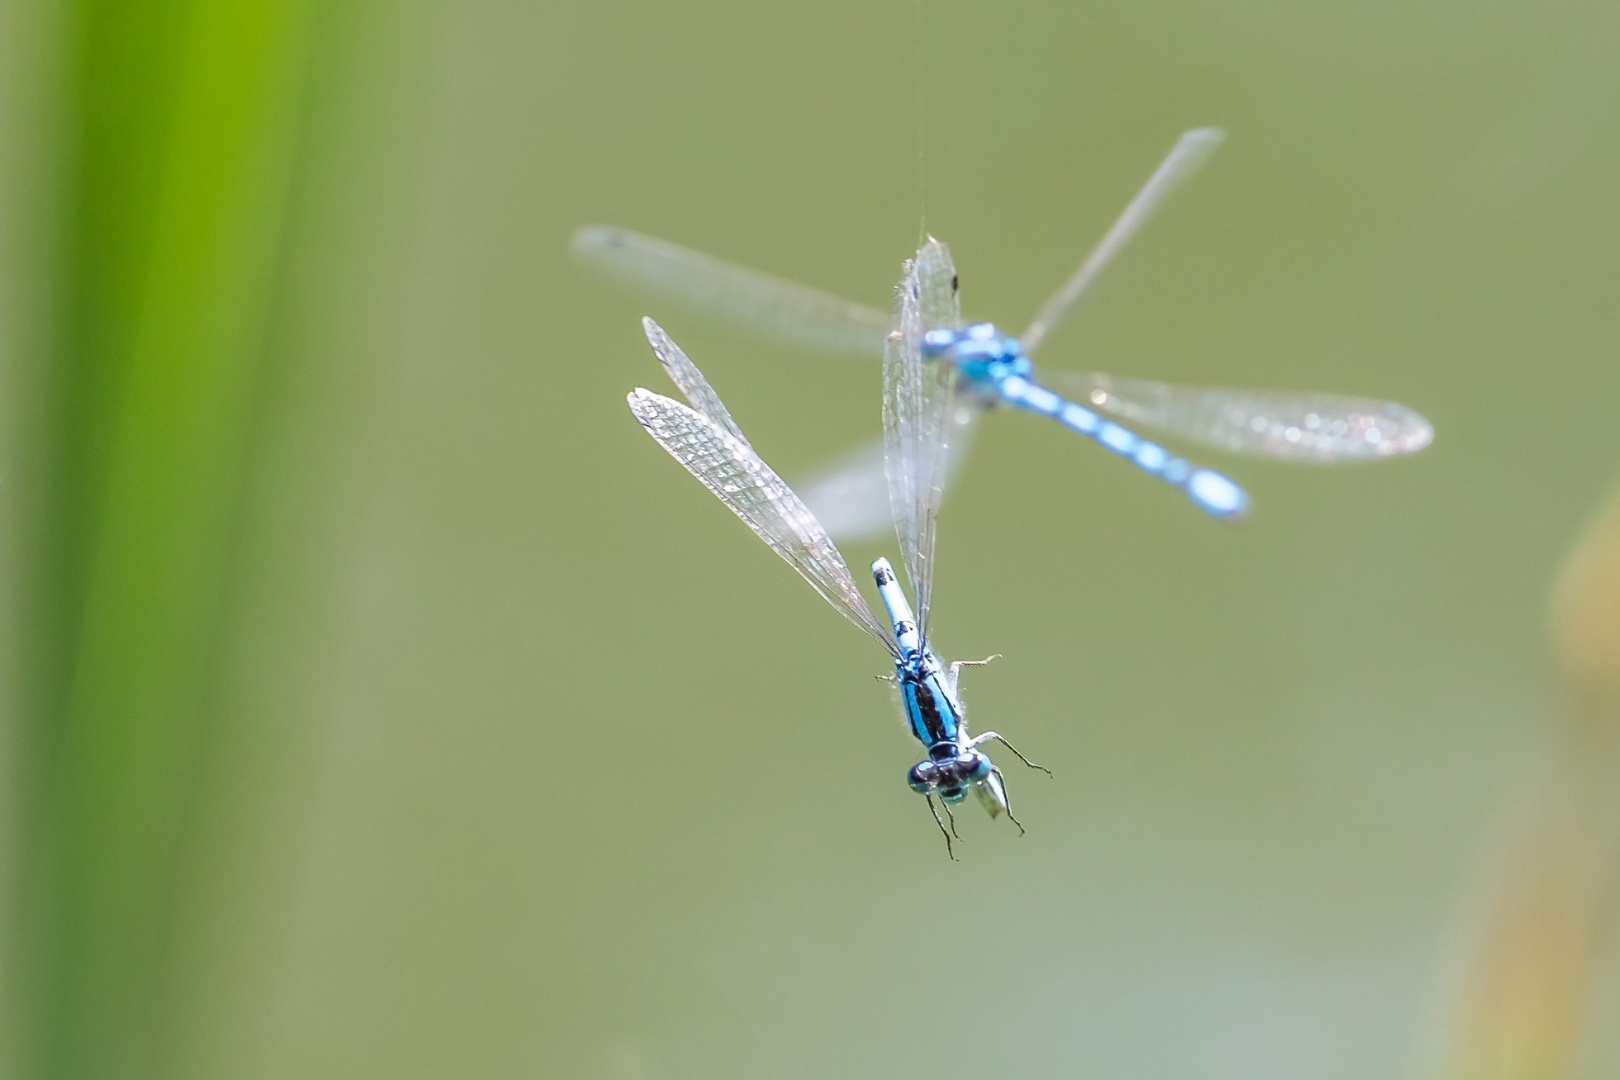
975 767
938 340
923 777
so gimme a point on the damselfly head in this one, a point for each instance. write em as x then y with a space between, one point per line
949 772
939 341
981 354
943 339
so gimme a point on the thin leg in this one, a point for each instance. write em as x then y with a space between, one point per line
957 666
890 679
951 818
1006 800
991 736
942 830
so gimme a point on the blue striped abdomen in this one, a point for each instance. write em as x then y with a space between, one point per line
929 711
1209 490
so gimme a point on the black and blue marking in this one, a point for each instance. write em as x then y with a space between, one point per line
994 364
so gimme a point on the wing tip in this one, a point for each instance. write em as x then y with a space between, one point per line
668 353
595 239
933 250
1421 435
646 405
656 413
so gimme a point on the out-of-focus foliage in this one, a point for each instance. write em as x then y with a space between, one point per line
380 703
165 210
1547 907
1586 623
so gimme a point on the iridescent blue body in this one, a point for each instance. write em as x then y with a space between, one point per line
992 366
707 442
854 496
928 695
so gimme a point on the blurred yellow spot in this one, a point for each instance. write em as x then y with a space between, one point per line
1586 611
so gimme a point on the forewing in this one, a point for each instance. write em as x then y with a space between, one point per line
1190 151
1324 429
685 374
917 402
751 300
851 496
730 468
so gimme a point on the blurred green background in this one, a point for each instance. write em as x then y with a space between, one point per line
381 702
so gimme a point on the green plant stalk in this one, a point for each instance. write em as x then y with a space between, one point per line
184 121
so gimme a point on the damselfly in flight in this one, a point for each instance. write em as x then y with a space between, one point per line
916 403
993 368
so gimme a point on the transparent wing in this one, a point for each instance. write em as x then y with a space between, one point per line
719 455
851 496
1322 429
738 478
1190 151
917 401
747 298
685 374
